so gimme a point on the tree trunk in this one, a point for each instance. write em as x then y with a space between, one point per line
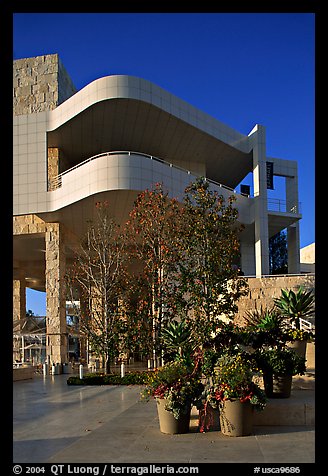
107 364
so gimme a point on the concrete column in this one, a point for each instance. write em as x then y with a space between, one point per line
261 237
293 233
55 299
293 240
247 258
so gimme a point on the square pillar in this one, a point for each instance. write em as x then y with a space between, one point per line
19 314
261 235
293 233
19 299
293 243
57 342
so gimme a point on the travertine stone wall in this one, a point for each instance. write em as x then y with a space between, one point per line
262 291
53 165
40 84
55 271
57 163
19 299
25 224
55 300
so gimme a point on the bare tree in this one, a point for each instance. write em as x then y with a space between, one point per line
98 272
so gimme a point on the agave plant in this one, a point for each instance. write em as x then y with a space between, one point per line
267 326
261 318
295 306
177 338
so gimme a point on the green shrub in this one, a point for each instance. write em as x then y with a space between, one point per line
130 378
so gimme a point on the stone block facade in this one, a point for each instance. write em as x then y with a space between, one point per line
263 291
25 224
55 299
55 262
40 84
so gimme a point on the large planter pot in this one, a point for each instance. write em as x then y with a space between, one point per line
236 418
277 386
299 346
167 423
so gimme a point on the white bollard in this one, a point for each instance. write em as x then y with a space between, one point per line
81 371
122 369
45 369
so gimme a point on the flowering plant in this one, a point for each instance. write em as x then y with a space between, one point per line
178 383
300 334
233 379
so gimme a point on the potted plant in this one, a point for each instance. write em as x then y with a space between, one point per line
295 306
176 387
298 339
266 327
235 394
279 365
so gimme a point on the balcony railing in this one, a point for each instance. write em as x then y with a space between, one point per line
274 204
278 205
56 182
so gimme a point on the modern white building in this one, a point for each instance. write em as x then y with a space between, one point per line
114 138
307 259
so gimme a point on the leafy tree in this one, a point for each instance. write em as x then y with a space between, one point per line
152 234
99 273
137 308
278 253
210 250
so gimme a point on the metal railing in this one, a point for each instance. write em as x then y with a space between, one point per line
274 204
278 205
304 325
56 182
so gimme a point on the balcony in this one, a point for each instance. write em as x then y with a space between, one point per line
280 206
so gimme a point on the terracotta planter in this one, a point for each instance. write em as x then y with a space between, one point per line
236 418
167 423
277 386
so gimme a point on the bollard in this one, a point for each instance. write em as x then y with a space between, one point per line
149 364
81 371
122 369
45 368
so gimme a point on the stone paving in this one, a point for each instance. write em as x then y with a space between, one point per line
58 423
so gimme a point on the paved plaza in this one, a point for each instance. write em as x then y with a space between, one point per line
58 423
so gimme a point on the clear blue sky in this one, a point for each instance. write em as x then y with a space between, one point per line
242 68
